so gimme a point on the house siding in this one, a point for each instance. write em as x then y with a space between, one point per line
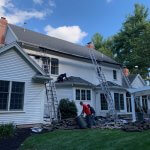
78 68
14 68
137 83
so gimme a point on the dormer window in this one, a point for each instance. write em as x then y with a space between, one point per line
114 74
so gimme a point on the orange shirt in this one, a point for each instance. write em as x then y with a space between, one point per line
86 109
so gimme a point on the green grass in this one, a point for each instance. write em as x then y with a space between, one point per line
94 139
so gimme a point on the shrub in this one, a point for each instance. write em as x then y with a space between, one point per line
6 130
67 109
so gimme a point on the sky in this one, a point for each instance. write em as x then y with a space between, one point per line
72 20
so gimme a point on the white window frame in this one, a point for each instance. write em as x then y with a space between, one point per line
50 64
116 75
85 94
9 98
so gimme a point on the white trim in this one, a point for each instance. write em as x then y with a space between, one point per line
9 98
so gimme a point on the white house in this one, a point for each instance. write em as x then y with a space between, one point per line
64 57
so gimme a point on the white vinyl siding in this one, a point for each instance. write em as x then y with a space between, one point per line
14 68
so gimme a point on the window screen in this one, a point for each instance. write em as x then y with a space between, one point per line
104 105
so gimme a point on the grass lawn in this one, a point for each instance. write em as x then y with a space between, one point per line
94 139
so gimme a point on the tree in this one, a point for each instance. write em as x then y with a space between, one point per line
102 45
131 46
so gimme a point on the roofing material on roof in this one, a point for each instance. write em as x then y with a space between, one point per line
55 44
75 81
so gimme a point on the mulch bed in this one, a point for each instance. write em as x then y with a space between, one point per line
14 142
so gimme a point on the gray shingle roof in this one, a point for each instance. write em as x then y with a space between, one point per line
113 85
75 81
56 44
131 77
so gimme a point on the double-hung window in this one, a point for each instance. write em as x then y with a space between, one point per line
119 101
50 65
114 74
11 95
83 94
104 105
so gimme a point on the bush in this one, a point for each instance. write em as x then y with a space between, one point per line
6 130
67 109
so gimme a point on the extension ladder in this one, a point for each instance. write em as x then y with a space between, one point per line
51 95
103 84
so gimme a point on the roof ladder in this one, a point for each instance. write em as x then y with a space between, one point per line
103 84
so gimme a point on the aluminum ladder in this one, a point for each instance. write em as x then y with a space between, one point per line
52 101
103 84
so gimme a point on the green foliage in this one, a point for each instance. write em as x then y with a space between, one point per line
67 109
131 45
6 130
104 46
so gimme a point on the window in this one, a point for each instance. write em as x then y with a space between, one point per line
104 105
50 65
54 66
114 74
4 93
46 64
88 94
77 94
11 95
83 94
128 101
17 96
119 101
144 103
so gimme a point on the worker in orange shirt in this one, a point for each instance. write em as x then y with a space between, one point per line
86 111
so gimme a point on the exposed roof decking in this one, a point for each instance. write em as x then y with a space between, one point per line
55 44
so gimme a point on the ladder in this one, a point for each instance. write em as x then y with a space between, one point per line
51 95
52 101
103 84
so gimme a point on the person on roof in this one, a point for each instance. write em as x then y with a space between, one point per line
86 110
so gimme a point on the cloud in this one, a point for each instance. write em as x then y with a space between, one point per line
69 33
38 1
18 16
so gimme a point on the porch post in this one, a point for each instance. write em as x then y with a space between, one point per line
133 108
141 101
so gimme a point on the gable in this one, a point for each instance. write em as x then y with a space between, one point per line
25 57
13 67
137 82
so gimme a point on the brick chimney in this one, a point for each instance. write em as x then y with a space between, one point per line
3 28
90 45
126 71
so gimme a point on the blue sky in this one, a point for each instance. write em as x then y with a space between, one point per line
72 20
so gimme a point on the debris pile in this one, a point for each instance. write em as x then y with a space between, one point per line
137 126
